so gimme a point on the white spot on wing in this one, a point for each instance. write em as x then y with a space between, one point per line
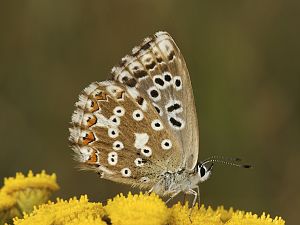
112 158
138 162
102 121
115 120
141 140
113 132
146 151
119 111
166 144
133 92
126 172
118 145
157 125
137 115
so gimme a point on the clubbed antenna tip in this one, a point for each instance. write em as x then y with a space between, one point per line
247 166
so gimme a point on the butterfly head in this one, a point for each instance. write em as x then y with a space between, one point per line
204 168
203 171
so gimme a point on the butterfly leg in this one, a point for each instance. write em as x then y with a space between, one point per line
198 193
192 192
184 198
173 196
150 191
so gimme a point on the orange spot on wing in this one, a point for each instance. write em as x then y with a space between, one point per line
102 96
91 121
88 138
93 158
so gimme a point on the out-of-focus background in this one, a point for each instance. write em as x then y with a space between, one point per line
244 61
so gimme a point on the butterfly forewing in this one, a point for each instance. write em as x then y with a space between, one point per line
157 68
141 124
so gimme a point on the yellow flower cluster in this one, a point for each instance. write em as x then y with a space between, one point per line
19 194
139 209
65 212
27 195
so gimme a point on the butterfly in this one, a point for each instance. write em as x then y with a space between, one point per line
140 126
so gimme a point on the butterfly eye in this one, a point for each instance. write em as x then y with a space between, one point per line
137 115
126 172
202 171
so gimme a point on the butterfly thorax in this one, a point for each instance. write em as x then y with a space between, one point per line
183 180
180 181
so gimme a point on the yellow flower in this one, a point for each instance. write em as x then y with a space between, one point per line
30 190
137 209
7 203
65 212
184 216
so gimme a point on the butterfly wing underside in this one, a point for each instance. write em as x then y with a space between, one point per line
141 123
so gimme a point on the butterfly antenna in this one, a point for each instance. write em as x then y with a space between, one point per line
227 161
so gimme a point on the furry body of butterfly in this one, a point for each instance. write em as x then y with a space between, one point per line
140 127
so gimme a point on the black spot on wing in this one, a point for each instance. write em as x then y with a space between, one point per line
131 82
140 73
175 122
150 66
174 107
159 81
154 93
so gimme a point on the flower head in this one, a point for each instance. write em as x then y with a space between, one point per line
137 209
69 212
181 214
7 203
30 190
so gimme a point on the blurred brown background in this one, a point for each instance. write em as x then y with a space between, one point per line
243 57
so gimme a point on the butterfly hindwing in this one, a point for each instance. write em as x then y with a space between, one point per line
119 138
